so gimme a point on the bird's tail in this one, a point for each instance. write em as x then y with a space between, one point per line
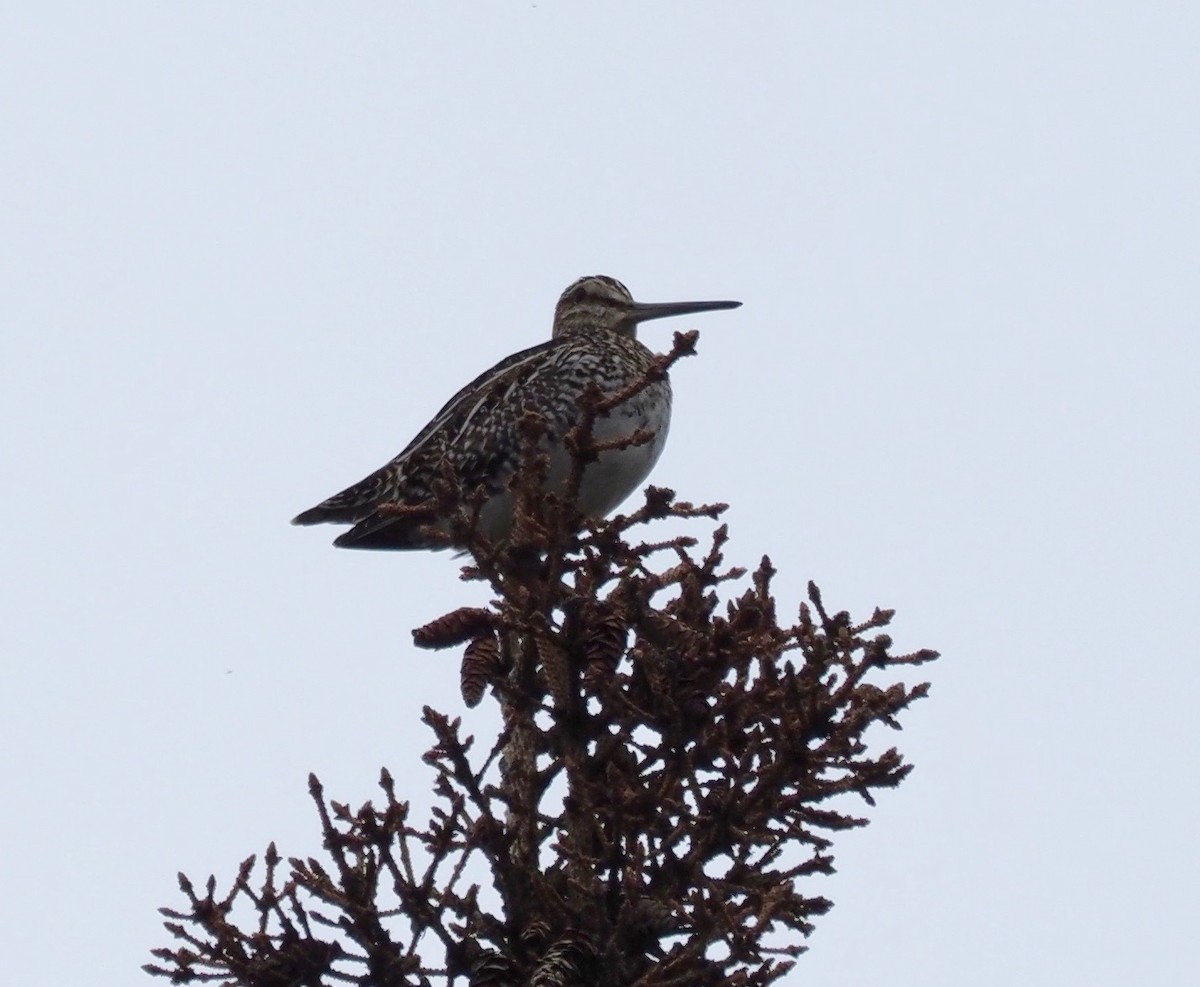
354 503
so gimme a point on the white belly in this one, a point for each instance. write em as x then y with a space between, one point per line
614 475
618 472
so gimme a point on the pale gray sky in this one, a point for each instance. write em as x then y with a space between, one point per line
248 249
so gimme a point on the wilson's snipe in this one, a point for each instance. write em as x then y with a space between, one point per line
474 438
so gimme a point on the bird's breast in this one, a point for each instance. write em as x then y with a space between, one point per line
619 472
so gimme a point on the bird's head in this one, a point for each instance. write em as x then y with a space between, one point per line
601 302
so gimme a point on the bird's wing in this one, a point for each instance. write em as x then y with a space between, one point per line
459 405
406 477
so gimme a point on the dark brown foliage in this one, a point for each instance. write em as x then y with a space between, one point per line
655 811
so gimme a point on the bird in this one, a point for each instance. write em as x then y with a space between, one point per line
475 438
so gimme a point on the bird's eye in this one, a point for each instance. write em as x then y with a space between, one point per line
579 294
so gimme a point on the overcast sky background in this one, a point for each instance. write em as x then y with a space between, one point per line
246 250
